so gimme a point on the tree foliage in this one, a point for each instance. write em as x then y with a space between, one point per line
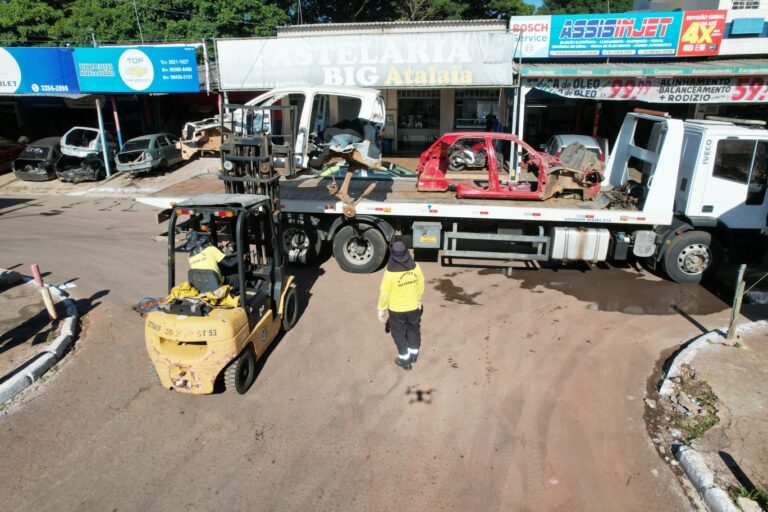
584 6
60 22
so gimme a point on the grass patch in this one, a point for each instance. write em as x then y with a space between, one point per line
695 425
757 495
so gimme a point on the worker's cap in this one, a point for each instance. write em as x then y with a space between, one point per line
400 252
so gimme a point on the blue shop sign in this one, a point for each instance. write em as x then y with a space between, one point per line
137 69
615 35
37 71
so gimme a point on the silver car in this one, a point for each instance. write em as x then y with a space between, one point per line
557 143
149 153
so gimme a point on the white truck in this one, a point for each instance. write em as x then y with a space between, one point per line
677 194
699 188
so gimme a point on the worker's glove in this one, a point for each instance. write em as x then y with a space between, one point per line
382 315
421 306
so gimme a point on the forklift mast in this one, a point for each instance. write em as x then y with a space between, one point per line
253 156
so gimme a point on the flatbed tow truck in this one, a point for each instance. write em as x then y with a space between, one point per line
675 194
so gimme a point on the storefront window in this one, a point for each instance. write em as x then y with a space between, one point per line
418 109
418 118
472 107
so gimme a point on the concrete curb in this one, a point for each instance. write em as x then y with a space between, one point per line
36 366
688 353
703 480
692 462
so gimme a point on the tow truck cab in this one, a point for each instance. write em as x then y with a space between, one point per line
722 180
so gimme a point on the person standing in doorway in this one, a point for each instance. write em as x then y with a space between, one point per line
400 293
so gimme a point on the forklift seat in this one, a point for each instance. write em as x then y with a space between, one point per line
204 280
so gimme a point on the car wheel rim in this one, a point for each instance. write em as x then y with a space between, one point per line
694 259
358 250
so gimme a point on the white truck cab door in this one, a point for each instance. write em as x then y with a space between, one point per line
735 192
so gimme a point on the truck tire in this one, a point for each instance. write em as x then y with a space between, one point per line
290 309
691 257
359 248
301 241
241 372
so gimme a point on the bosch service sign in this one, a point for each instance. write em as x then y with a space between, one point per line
37 71
615 35
137 69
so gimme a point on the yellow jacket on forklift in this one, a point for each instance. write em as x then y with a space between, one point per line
401 291
207 259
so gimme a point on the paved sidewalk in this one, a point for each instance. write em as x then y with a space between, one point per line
119 184
30 342
24 325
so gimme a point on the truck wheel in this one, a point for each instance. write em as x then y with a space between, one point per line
691 257
290 309
241 372
301 242
359 249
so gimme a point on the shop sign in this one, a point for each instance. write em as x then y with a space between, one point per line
701 33
37 71
615 35
531 35
371 60
746 89
137 69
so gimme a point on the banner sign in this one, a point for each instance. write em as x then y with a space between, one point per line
137 69
615 35
533 35
632 35
701 33
371 60
37 71
744 89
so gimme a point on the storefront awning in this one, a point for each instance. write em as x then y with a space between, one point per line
720 68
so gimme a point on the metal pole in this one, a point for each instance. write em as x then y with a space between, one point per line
736 302
117 123
138 22
102 133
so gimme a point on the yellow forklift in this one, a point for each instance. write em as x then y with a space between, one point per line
206 331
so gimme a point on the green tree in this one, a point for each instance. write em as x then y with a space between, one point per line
584 6
26 22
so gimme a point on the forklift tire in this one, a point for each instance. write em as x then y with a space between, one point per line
241 372
359 249
290 309
691 257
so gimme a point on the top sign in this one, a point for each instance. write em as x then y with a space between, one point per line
37 71
138 69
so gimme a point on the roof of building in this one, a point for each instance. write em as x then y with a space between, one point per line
392 26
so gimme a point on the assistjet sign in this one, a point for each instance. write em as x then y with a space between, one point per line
372 60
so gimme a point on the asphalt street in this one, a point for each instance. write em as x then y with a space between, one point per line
528 394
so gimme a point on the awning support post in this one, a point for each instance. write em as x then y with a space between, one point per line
117 123
103 136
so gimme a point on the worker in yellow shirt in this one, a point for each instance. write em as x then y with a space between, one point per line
204 256
400 293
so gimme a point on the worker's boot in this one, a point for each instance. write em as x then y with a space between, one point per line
414 356
405 364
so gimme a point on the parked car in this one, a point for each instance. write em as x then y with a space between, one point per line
9 150
557 143
387 171
39 160
148 153
83 156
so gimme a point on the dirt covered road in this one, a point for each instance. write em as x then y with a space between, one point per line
528 395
